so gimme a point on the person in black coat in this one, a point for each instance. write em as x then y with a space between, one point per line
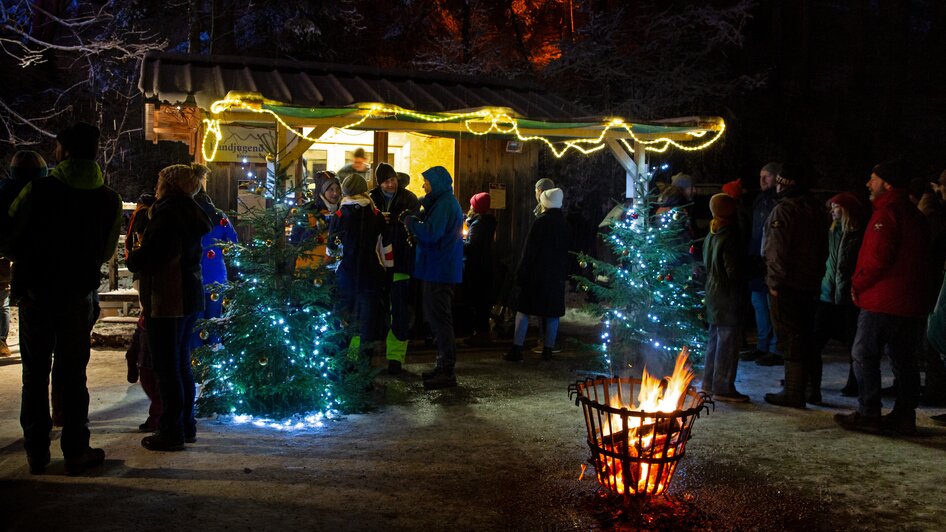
540 278
478 265
392 198
171 294
354 233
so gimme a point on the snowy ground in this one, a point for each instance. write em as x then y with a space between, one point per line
502 451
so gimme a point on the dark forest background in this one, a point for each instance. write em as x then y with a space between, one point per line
833 85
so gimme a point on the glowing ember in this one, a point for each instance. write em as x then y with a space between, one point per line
633 452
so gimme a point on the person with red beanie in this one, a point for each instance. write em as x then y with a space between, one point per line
725 285
478 266
836 315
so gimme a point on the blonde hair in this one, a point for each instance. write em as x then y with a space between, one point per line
27 159
848 222
178 178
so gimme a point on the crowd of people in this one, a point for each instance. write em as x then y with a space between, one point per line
810 272
838 270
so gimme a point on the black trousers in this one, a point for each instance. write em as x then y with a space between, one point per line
438 309
57 328
169 341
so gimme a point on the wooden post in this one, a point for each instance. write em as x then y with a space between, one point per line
380 147
640 158
629 165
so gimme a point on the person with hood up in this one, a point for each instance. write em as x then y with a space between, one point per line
354 232
541 276
64 227
836 315
795 246
318 213
393 198
172 294
213 268
889 285
478 266
722 257
438 234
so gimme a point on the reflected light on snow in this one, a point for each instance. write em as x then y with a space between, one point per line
294 423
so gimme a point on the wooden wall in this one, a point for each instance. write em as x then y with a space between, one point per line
481 161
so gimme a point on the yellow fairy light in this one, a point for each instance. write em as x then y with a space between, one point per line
211 130
497 120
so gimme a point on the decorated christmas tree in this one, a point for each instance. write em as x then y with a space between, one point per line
281 351
646 294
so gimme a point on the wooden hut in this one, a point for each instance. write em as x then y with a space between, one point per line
497 127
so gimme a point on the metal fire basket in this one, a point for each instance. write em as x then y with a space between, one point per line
634 453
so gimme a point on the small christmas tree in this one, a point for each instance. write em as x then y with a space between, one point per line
647 297
282 351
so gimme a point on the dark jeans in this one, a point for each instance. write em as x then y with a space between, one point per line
898 337
793 316
359 304
60 327
438 309
169 342
722 359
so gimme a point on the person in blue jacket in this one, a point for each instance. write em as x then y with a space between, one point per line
213 268
438 265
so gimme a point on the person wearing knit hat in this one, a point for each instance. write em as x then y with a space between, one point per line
328 188
895 173
541 276
353 237
541 186
480 202
25 166
890 286
78 141
733 188
551 199
722 258
354 187
58 252
836 315
795 248
397 254
438 235
313 221
478 266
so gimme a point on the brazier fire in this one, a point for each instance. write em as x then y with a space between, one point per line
635 447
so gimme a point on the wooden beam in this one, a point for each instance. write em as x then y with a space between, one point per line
626 162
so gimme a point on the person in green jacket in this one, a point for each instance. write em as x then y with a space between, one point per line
836 315
722 257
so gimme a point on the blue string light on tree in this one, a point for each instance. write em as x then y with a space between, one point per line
645 293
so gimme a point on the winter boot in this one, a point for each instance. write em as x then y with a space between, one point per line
813 391
850 388
903 423
427 375
514 354
793 395
445 379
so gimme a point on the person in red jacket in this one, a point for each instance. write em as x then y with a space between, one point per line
889 285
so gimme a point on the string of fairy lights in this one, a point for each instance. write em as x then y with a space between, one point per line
479 122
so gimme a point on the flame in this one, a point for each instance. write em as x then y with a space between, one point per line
644 436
